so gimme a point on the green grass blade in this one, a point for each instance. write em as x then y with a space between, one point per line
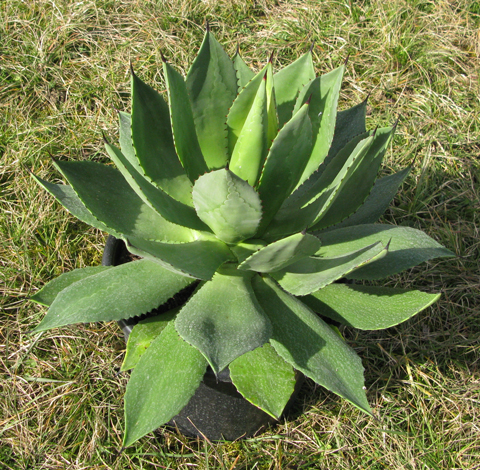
161 384
310 274
303 340
223 318
228 205
117 293
264 379
212 87
280 254
183 125
288 82
151 133
367 307
408 247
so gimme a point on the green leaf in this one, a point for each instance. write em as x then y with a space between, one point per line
288 82
368 308
282 253
377 202
152 138
310 274
250 149
272 118
166 206
223 319
142 335
307 209
67 197
323 94
105 193
228 205
285 163
47 294
117 293
212 87
244 73
408 247
241 108
125 140
183 125
199 259
360 182
303 340
161 385
245 249
264 379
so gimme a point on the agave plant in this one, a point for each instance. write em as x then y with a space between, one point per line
253 185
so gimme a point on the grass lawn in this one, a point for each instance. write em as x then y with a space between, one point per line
63 71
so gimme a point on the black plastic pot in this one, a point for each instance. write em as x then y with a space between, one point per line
216 410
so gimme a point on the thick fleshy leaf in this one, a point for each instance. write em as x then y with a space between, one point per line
117 293
199 259
166 206
377 202
408 247
272 117
280 254
105 193
247 248
241 108
310 274
223 319
47 294
161 385
360 181
250 149
142 335
183 125
323 94
228 205
303 340
244 72
264 379
367 307
68 198
306 210
125 140
152 138
288 82
285 163
212 87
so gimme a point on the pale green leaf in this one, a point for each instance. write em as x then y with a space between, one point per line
250 149
303 340
142 335
280 254
244 72
152 138
408 247
310 274
118 293
47 294
223 319
228 205
264 379
367 307
161 385
183 125
212 86
288 82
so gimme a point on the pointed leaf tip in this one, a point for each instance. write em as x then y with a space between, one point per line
346 60
395 124
164 60
131 69
207 26
105 140
311 47
270 59
309 98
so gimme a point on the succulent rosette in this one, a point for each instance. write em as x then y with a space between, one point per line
255 186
